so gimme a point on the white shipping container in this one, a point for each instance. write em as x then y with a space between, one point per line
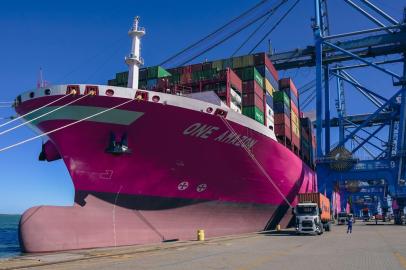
235 97
270 123
269 112
235 107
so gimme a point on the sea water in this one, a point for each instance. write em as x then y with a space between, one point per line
9 244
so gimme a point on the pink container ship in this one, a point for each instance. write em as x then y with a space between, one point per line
157 165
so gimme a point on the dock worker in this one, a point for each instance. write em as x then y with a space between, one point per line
349 222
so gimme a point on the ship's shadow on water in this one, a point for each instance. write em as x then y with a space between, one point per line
9 242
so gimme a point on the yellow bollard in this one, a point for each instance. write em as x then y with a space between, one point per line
200 235
278 227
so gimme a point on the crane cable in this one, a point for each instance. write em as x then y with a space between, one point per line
251 35
272 11
65 126
33 111
251 155
44 114
276 25
214 33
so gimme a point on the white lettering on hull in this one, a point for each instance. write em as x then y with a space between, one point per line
204 131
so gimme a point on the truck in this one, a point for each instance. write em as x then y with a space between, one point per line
342 218
312 213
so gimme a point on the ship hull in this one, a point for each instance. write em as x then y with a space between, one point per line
103 224
186 170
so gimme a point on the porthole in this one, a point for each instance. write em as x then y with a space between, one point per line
110 92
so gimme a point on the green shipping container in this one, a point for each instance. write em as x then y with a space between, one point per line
157 72
204 75
217 65
254 112
175 78
142 84
305 144
227 63
249 74
122 77
112 82
281 96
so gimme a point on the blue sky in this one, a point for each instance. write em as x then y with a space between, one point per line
86 41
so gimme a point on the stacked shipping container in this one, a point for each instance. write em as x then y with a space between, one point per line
287 86
247 84
307 141
282 117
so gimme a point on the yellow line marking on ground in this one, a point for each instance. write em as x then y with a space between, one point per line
401 259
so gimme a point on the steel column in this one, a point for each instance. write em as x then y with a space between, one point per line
402 128
319 78
327 109
340 107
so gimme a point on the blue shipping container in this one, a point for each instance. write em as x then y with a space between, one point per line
269 99
152 83
292 96
281 108
263 70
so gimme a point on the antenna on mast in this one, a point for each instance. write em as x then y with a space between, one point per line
134 60
40 79
40 82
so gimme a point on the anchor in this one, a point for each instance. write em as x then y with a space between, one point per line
118 148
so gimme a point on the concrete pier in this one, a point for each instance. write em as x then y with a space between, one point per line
370 246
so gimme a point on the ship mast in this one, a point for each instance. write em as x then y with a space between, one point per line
134 60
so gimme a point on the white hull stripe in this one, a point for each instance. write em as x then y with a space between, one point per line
74 113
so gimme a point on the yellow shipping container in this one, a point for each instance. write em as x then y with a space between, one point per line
248 61
243 61
268 86
294 118
295 130
237 62
217 65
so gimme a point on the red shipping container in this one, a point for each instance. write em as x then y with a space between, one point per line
282 130
296 141
186 77
305 135
234 79
163 83
252 99
263 59
294 107
196 67
207 66
281 118
288 83
185 69
252 87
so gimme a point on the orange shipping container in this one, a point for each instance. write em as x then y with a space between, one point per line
322 202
